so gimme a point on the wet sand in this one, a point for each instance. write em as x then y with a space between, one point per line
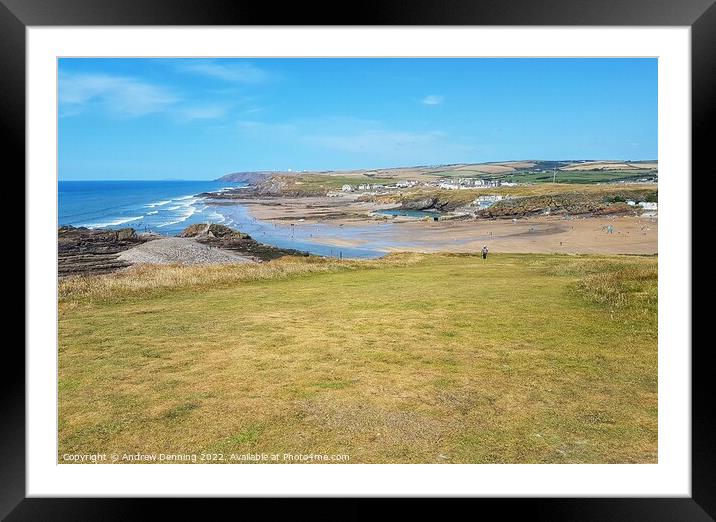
631 235
344 209
343 222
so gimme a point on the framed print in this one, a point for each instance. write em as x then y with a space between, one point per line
416 252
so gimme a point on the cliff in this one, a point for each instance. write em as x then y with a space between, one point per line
244 177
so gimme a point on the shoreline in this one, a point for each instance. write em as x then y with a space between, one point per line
264 228
83 251
535 234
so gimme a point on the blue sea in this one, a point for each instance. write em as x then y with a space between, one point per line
164 207
168 207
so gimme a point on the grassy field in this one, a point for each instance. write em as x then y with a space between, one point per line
451 199
412 358
581 176
312 184
561 176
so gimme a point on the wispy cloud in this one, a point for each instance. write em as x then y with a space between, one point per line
235 72
128 97
118 95
432 99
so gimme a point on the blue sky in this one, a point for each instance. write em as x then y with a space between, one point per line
202 118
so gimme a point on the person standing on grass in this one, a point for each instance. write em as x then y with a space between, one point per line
484 251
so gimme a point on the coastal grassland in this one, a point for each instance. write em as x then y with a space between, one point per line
319 184
546 189
411 358
147 280
582 176
634 190
452 199
337 181
577 176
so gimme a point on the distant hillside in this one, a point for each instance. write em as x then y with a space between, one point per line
244 177
525 171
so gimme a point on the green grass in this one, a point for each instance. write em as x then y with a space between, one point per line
318 183
452 199
580 176
562 176
434 358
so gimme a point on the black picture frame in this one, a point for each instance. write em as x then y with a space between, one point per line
17 15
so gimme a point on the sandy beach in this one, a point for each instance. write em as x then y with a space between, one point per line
345 222
343 209
534 235
630 235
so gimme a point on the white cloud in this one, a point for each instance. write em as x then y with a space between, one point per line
235 72
118 95
432 99
129 97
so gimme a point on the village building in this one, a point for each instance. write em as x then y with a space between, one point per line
648 205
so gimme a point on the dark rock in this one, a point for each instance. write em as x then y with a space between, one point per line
420 204
125 234
573 204
221 236
194 230
83 251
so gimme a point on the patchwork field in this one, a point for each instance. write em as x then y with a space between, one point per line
408 359
612 165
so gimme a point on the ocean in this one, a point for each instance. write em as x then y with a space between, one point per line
168 207
163 207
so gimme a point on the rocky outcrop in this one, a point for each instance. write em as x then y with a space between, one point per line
419 204
211 230
574 204
221 236
83 251
289 186
268 186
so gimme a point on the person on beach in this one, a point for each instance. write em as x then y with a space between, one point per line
484 251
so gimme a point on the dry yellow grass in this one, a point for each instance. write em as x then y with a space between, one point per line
451 199
546 189
424 358
140 280
610 165
519 164
487 169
